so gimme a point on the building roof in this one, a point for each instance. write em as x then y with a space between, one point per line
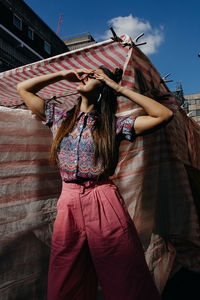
192 96
79 42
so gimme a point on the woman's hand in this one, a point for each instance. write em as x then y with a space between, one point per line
76 75
108 81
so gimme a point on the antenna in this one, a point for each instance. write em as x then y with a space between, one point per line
59 23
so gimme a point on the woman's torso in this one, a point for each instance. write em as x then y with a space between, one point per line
76 150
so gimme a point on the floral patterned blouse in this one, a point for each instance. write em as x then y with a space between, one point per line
76 151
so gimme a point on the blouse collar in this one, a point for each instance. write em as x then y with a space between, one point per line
92 113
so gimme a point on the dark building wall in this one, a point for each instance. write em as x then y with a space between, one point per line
16 52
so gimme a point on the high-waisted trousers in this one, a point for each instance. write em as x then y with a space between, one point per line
95 241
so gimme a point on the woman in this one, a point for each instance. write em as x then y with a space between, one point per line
94 236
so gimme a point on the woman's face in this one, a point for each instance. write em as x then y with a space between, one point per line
90 83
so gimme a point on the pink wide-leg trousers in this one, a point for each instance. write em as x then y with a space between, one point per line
94 239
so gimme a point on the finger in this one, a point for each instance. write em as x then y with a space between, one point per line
89 70
97 76
86 71
77 75
84 76
83 73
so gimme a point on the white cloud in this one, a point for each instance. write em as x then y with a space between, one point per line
134 26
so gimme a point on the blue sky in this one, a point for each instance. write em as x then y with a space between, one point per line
172 29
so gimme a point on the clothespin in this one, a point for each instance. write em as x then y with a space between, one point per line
136 40
130 43
115 37
163 80
56 98
53 98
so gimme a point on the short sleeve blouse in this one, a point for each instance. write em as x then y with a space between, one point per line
75 155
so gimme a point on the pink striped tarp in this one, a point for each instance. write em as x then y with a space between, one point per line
152 173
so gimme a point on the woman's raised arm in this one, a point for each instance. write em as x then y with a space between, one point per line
156 112
27 89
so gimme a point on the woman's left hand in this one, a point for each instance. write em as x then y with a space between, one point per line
108 81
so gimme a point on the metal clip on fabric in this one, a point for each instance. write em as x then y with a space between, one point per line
56 98
163 80
131 44
115 37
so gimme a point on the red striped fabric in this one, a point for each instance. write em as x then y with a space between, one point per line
151 173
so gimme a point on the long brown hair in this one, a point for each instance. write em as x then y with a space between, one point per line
104 130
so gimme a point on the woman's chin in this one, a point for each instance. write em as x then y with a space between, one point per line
82 90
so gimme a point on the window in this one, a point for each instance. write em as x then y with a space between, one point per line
192 113
198 101
198 112
30 33
47 47
17 22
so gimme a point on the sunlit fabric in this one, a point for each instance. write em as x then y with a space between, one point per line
153 174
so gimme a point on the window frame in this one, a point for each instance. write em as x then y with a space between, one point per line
49 45
20 21
30 29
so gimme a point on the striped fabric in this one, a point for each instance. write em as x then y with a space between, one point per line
152 173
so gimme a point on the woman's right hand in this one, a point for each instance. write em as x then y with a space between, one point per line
76 75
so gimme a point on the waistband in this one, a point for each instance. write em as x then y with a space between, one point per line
85 184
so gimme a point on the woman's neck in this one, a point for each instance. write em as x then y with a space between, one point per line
86 104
